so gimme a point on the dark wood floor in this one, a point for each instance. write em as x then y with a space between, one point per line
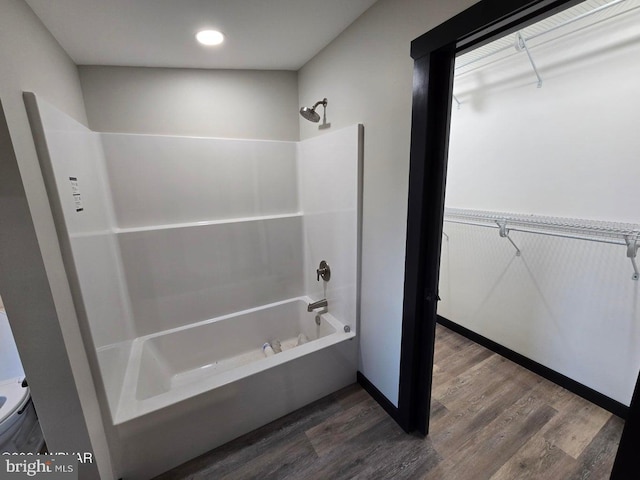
490 419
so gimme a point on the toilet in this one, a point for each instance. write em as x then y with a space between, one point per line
19 427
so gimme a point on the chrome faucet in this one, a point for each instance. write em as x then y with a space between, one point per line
319 304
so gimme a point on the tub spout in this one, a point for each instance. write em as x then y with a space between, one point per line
319 304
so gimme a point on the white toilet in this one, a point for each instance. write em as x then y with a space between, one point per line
19 428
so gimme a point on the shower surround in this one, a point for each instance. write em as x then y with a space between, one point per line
185 255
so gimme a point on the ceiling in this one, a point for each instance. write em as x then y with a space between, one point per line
260 34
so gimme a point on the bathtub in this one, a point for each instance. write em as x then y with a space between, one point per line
174 365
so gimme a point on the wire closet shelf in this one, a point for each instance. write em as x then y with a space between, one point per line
615 233
587 14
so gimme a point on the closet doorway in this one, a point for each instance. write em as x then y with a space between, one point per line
572 189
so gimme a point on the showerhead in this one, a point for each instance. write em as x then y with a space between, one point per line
310 113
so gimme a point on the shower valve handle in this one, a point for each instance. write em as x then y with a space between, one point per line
324 271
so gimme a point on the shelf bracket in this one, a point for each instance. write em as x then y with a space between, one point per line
632 251
504 233
521 45
457 101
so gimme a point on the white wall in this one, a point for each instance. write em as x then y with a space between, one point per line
568 149
366 74
208 103
33 283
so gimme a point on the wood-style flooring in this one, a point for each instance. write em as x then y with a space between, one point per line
490 419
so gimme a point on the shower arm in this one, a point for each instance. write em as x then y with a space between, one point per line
322 102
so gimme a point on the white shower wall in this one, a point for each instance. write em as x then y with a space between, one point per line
158 180
75 151
176 230
177 276
206 226
328 168
196 256
210 226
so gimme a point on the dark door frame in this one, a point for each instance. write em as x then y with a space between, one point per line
434 55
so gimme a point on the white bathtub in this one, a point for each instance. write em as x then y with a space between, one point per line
171 366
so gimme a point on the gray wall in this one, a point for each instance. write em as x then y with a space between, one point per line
33 283
366 74
212 103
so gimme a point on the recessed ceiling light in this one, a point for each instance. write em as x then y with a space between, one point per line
210 37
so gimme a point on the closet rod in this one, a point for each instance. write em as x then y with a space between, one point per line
544 32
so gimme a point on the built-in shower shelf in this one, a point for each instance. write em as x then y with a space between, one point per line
225 221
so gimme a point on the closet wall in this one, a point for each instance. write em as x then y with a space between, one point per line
567 149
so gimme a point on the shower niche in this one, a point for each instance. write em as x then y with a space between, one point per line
185 255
